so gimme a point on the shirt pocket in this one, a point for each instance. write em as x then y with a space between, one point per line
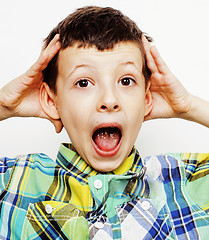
54 220
140 220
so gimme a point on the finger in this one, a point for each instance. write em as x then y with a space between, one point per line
161 65
150 61
51 43
49 52
52 48
45 57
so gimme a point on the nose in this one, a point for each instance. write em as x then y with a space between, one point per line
108 101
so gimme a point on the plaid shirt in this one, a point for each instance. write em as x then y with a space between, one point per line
67 199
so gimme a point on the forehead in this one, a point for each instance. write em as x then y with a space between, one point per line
122 54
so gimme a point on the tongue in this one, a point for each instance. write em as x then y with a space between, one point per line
107 139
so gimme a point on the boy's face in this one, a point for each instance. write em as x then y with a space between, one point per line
101 100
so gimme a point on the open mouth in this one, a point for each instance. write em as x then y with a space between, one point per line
107 140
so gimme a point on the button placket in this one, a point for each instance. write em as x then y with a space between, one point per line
145 205
48 209
99 225
98 184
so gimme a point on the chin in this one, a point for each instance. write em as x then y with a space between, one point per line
105 169
105 166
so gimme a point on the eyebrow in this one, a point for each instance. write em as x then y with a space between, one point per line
87 65
130 63
81 66
77 67
123 63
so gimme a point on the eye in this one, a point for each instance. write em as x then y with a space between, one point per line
127 81
83 83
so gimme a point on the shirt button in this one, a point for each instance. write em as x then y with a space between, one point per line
48 208
99 225
98 184
145 205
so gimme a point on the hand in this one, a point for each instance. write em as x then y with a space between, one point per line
20 97
170 98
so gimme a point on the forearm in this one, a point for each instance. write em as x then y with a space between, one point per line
199 111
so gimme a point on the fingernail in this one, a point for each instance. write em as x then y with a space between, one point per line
57 36
143 38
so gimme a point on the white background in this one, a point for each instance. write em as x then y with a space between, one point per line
180 31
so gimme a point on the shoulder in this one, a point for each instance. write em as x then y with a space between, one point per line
197 170
21 160
191 169
191 166
196 165
16 166
165 167
6 164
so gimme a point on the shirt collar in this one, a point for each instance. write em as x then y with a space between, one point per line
70 160
130 175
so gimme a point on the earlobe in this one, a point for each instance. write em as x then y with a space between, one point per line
148 100
47 101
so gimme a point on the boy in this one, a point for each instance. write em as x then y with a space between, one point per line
98 86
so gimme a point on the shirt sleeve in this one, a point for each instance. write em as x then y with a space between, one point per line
197 178
6 166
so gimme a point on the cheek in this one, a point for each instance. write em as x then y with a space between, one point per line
73 113
76 103
71 116
135 113
135 105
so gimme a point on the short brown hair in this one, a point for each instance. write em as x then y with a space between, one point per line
94 26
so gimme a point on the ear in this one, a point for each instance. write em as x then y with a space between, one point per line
47 101
148 100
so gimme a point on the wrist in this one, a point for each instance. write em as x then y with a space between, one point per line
4 111
185 109
193 109
190 108
3 114
199 111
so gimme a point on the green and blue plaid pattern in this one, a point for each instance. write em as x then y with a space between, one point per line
164 197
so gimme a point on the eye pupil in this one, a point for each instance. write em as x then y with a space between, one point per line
126 81
83 83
